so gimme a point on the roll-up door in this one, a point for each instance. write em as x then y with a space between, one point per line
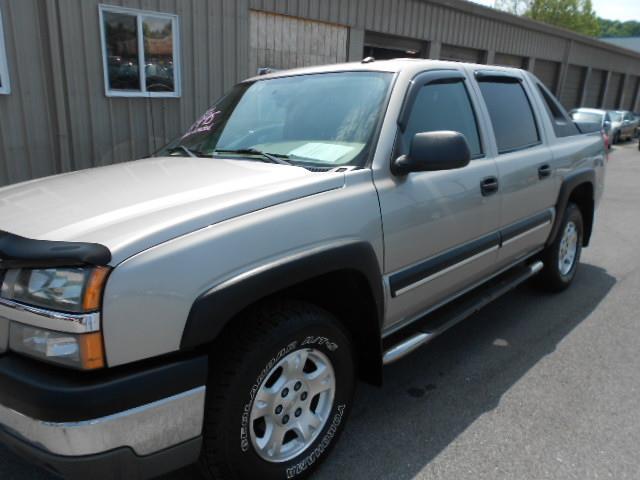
506 60
461 54
573 86
547 72
594 89
631 91
613 91
281 42
385 47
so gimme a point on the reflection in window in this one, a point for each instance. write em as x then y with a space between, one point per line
133 39
121 33
158 54
4 70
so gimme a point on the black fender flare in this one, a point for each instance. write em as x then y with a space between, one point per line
214 308
569 184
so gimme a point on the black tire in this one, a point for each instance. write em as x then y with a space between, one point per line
616 138
240 363
552 278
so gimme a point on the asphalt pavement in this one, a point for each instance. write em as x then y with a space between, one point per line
535 386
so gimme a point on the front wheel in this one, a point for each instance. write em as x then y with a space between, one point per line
280 388
562 257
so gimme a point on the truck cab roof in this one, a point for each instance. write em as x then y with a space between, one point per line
395 66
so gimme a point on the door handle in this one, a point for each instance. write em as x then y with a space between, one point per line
544 171
489 186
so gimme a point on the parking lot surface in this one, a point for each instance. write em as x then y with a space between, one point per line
535 386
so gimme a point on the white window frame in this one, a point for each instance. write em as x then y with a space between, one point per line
5 89
140 14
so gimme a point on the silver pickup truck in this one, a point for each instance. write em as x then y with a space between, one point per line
215 304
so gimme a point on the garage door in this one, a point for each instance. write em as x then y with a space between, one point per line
506 60
572 88
630 92
613 92
461 54
594 89
547 72
281 42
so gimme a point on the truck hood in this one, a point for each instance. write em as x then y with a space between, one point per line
132 206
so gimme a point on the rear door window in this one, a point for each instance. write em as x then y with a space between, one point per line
511 115
443 106
562 124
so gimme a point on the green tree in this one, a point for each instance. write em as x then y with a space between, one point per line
576 15
616 28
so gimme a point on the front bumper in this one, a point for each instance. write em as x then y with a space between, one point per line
146 420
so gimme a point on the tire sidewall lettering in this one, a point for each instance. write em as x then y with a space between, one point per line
307 342
317 452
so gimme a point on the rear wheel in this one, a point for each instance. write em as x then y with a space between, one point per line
280 389
562 257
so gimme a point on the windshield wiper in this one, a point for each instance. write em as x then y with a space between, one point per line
271 157
188 151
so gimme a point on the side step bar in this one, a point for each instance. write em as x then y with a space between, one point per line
425 329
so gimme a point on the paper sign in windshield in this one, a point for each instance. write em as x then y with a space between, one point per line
325 152
204 123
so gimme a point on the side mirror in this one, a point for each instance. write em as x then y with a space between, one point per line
607 125
433 151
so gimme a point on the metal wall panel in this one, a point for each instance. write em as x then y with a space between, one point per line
573 86
547 72
595 86
27 139
613 91
57 117
282 42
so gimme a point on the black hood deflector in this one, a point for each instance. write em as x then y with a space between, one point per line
22 252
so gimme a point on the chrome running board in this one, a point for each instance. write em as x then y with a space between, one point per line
425 329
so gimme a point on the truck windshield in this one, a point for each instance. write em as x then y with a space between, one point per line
321 120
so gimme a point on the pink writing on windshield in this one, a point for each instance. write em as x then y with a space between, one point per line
204 123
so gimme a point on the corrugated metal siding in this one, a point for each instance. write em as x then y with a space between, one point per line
547 72
507 60
282 42
613 91
27 139
573 86
58 118
594 89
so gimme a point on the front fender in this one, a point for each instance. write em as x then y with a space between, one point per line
214 308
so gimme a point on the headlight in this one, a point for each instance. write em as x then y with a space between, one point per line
83 351
64 289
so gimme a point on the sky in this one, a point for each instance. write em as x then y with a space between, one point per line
610 9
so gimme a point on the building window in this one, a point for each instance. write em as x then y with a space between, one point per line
135 38
5 86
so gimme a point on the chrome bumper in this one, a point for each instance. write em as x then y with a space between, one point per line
146 429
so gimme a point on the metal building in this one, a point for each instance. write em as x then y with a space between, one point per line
73 94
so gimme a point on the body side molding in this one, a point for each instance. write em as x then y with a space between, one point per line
433 267
213 309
